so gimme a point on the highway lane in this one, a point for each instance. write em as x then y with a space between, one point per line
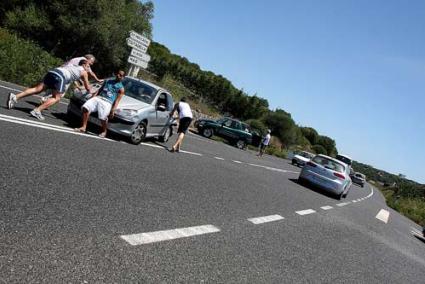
67 200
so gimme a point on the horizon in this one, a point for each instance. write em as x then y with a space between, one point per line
353 70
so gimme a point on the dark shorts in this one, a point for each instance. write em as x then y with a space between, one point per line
184 124
263 146
55 80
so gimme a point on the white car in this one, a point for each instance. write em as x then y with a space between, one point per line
327 173
302 158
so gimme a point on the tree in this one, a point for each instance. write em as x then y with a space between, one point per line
311 134
282 126
328 144
319 149
94 26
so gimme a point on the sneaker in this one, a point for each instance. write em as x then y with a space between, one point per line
11 101
37 114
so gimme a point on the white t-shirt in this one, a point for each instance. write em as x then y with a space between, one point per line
71 73
266 139
75 61
184 110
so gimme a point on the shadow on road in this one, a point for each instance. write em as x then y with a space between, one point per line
311 187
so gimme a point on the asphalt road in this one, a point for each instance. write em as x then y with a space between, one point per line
79 209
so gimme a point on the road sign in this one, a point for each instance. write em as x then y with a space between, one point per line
141 55
135 44
136 61
139 38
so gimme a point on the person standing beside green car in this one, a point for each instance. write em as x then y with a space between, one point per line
185 118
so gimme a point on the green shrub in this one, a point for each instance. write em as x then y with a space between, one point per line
23 62
271 150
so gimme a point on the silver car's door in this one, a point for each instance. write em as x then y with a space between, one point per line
160 119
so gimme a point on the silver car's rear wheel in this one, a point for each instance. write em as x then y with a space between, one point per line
166 136
138 134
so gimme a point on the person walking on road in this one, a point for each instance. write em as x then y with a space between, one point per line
264 143
56 80
105 101
185 118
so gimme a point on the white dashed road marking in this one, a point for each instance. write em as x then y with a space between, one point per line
305 212
343 204
383 215
218 158
165 235
265 219
326 207
237 162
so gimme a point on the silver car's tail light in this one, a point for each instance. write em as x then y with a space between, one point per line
338 175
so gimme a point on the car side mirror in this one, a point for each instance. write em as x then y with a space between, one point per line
161 108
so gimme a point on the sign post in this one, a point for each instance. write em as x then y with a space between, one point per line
138 57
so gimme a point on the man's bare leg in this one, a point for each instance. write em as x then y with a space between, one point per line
84 120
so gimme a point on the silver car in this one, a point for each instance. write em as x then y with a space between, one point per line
327 173
358 178
301 158
143 111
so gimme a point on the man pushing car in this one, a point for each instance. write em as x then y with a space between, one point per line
104 101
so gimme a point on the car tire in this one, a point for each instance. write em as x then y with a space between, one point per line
166 136
294 162
301 181
207 132
241 144
138 134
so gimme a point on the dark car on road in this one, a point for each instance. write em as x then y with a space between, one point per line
233 130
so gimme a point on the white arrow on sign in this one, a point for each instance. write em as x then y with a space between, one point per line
135 44
136 61
141 55
141 39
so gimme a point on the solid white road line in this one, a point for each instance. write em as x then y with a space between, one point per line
49 127
265 219
415 231
218 158
305 212
383 215
151 145
191 153
165 235
10 89
326 207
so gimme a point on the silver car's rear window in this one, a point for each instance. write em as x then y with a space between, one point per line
139 90
329 164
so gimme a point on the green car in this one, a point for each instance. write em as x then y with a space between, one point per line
233 130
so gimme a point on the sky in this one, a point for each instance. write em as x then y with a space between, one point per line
352 69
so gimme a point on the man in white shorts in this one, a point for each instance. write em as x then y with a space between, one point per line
104 102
